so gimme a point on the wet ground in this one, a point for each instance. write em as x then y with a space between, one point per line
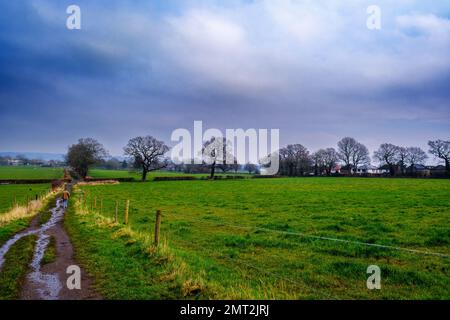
48 282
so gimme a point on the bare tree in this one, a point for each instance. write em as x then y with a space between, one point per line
402 155
84 154
352 153
388 154
318 159
294 160
415 156
215 152
360 156
147 153
347 147
441 150
330 159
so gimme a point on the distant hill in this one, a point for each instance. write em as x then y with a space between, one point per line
35 155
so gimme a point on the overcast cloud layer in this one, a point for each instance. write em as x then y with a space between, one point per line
310 68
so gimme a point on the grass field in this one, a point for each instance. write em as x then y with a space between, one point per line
245 239
20 193
8 172
113 174
116 174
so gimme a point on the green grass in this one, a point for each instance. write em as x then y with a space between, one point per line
15 268
116 174
20 193
45 212
50 252
107 252
29 172
217 230
7 231
113 174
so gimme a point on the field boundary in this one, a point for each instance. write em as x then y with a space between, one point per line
298 234
26 181
304 235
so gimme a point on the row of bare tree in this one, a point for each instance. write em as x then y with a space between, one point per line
148 154
295 160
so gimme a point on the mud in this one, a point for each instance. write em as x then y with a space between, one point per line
48 282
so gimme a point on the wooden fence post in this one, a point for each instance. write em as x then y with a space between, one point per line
127 208
157 226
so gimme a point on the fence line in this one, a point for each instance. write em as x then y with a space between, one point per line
303 288
304 235
224 258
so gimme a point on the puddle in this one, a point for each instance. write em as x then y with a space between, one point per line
48 285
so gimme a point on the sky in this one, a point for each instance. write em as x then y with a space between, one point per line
311 69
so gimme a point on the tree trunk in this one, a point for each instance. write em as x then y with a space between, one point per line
447 165
83 173
213 170
391 170
144 175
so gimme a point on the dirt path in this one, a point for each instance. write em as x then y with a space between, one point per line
48 282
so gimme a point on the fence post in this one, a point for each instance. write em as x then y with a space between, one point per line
117 211
157 226
127 208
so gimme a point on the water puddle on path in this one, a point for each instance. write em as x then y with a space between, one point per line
48 285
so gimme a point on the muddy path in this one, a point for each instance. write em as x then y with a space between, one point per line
49 282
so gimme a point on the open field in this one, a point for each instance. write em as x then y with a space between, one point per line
9 172
257 238
20 193
116 174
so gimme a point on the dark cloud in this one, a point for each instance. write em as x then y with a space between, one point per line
312 70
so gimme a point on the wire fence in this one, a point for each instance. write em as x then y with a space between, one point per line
99 206
110 208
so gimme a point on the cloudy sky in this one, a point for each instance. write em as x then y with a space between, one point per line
310 68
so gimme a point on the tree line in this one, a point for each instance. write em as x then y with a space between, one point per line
296 160
148 154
